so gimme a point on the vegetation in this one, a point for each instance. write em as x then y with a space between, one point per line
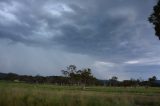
72 76
155 18
79 77
22 94
76 88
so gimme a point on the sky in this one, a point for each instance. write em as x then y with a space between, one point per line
112 37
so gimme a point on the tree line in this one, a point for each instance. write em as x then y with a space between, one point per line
84 77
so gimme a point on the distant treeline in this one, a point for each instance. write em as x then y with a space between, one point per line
72 76
57 80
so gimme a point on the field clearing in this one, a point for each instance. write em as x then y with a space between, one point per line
22 94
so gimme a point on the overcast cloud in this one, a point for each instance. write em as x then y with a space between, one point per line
112 37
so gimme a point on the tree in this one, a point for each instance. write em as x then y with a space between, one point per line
70 72
72 69
65 73
152 79
114 78
113 81
86 77
155 18
81 77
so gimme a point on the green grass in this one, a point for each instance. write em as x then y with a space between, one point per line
22 94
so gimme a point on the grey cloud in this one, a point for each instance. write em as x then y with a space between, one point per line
90 25
102 30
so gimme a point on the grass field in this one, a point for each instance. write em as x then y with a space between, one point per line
22 94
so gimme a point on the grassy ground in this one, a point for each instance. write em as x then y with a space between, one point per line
21 94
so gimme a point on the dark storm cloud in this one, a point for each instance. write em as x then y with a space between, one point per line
102 27
114 34
91 28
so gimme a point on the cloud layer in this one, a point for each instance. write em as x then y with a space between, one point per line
113 38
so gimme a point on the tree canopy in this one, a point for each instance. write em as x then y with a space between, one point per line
75 76
155 18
